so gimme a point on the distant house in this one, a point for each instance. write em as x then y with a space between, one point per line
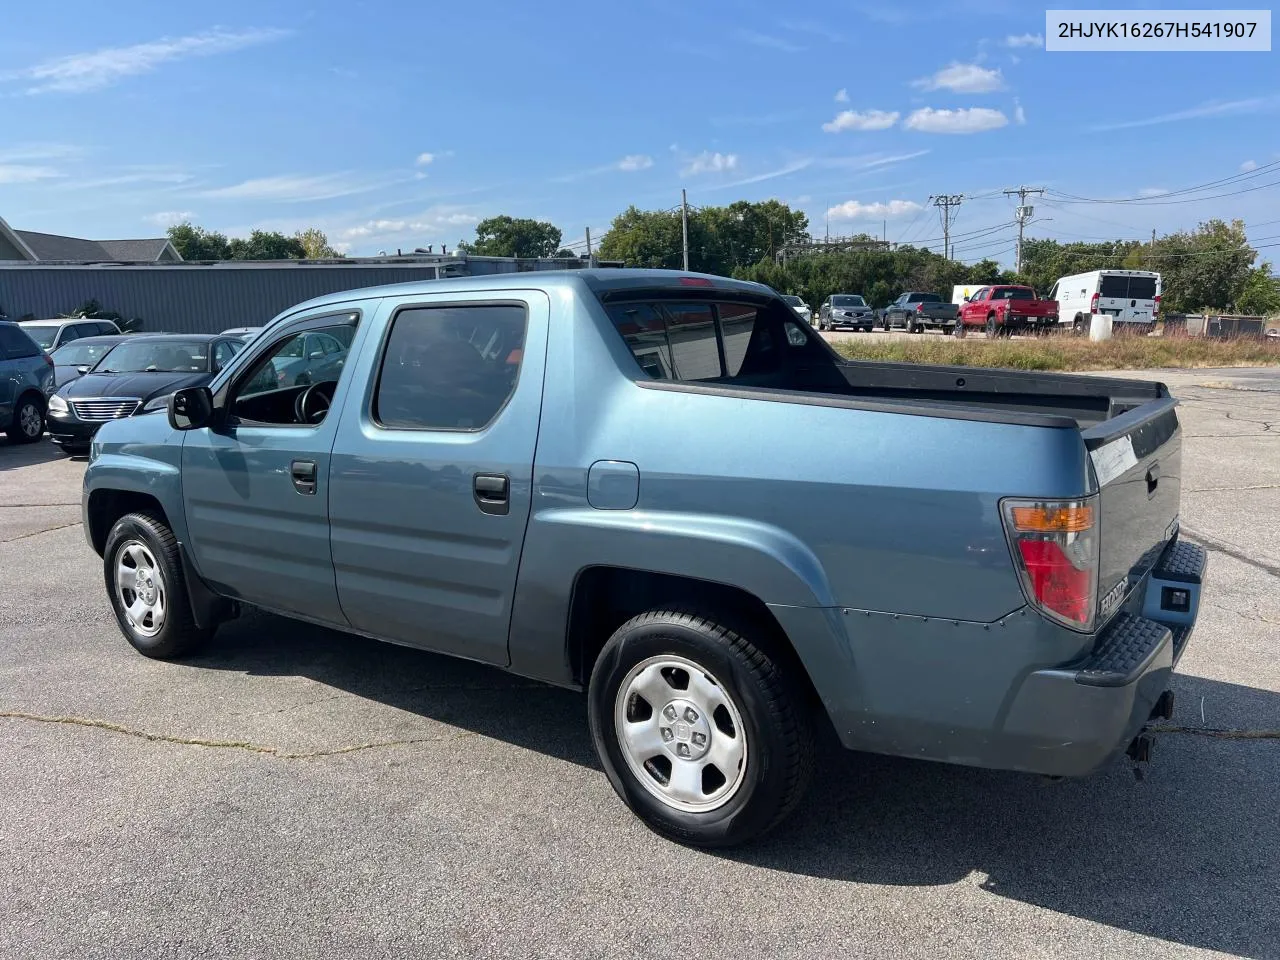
30 247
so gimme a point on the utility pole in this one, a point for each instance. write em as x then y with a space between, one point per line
1153 236
944 203
684 225
591 260
1021 216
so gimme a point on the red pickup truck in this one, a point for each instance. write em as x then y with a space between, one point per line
1000 310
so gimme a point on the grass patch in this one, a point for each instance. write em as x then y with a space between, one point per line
1066 352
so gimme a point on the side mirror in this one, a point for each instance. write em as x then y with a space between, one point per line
82 369
191 408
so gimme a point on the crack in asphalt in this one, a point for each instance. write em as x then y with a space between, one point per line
1231 550
248 747
28 536
19 506
1219 733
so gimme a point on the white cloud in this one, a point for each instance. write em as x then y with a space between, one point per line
418 229
867 120
1024 40
842 95
168 218
707 162
81 72
425 159
813 28
1015 59
295 189
28 152
172 177
764 40
1019 115
1248 165
26 173
853 210
963 120
962 78
792 167
635 161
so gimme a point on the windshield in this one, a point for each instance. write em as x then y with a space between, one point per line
159 356
80 354
794 301
1014 293
43 334
853 300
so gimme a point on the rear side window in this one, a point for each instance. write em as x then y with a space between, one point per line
450 368
14 343
1111 285
1142 288
710 341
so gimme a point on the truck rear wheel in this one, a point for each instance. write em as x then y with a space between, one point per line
702 734
148 591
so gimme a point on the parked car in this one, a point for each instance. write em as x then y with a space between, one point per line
916 312
135 376
1130 297
1003 309
26 373
244 333
51 334
802 309
986 569
74 359
845 310
309 358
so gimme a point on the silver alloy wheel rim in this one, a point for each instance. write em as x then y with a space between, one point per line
29 420
140 588
681 734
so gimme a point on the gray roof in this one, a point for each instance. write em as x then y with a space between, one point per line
51 246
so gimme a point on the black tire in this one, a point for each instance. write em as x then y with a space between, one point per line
1079 327
779 738
27 425
178 635
992 329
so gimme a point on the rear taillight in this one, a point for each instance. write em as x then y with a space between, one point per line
1156 308
695 282
1093 304
1055 549
48 361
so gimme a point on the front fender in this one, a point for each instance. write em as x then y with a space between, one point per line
766 561
137 473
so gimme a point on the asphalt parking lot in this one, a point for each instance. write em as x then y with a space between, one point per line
296 792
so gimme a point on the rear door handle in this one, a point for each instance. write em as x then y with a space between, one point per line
492 493
304 476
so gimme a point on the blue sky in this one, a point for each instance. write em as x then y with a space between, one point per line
401 124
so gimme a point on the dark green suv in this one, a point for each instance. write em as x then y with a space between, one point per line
26 376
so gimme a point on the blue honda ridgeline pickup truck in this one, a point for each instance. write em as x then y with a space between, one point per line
666 490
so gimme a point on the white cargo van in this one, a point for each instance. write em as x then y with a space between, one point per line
1129 297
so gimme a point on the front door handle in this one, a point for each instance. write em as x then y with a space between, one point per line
304 476
492 493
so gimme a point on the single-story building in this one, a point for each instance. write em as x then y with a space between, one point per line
27 246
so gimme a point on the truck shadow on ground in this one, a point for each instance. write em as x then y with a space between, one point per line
1189 855
14 455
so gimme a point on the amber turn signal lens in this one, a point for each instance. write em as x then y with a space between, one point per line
1075 519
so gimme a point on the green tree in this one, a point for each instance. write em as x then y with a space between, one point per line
266 245
1261 293
505 236
1206 268
197 243
315 244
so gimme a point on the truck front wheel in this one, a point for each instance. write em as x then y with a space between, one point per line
148 592
704 736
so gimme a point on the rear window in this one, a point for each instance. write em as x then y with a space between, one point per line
721 341
1014 293
43 334
1121 287
924 298
15 343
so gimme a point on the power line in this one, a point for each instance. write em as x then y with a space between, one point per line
1023 214
1182 192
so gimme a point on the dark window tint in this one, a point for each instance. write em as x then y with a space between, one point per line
14 343
924 298
223 351
107 328
1111 285
450 368
1015 293
645 332
691 330
738 320
1142 288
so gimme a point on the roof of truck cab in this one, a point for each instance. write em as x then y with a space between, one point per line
598 281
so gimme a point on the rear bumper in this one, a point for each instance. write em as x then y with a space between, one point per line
1073 719
983 694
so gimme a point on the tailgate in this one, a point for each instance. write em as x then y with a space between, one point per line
1137 459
